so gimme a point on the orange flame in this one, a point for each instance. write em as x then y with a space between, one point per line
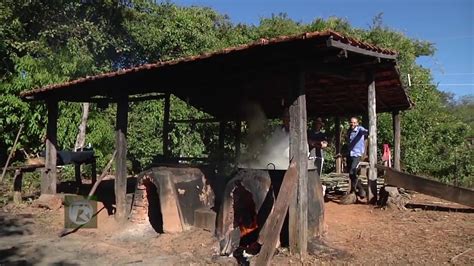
247 229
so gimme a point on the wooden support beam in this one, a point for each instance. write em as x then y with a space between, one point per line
430 187
372 112
337 125
17 184
270 233
396 139
166 127
298 218
94 170
238 137
107 100
198 120
104 173
77 175
222 126
121 160
49 176
337 44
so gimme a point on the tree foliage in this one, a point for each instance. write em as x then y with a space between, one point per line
45 42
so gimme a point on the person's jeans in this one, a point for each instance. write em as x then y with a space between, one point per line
356 185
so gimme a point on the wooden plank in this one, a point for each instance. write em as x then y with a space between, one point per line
170 209
271 232
101 100
11 152
298 218
104 173
26 168
315 205
121 160
49 176
396 139
344 46
430 187
372 112
166 127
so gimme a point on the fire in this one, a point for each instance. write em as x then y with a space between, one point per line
246 229
245 215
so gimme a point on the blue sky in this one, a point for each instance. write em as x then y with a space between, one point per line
447 23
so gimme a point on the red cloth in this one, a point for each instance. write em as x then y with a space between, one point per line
387 157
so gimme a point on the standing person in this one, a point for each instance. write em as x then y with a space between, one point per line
317 140
355 149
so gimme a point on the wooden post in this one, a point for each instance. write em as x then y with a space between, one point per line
222 125
271 231
49 176
298 220
238 137
94 170
166 127
337 125
77 174
121 160
396 139
372 178
17 182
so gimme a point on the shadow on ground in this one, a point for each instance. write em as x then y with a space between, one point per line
17 225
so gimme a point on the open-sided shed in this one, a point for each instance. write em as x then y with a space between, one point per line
314 74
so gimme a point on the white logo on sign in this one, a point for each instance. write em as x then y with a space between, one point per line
80 212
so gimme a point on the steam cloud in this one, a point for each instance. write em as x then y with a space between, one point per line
263 153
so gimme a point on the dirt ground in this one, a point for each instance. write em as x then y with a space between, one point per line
431 231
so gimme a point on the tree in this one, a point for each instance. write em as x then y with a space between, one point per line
49 42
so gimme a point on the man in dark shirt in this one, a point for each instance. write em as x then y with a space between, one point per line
317 140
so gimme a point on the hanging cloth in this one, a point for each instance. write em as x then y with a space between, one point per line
386 156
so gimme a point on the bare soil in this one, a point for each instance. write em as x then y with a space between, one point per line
431 231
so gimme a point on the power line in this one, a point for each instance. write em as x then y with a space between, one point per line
458 74
455 84
444 84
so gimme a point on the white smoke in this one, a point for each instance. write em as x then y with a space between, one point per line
264 152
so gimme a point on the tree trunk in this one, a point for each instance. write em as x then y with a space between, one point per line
81 135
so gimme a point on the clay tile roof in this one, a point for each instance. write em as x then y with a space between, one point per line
243 57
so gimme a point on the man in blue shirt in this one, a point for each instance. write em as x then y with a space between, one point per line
356 148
